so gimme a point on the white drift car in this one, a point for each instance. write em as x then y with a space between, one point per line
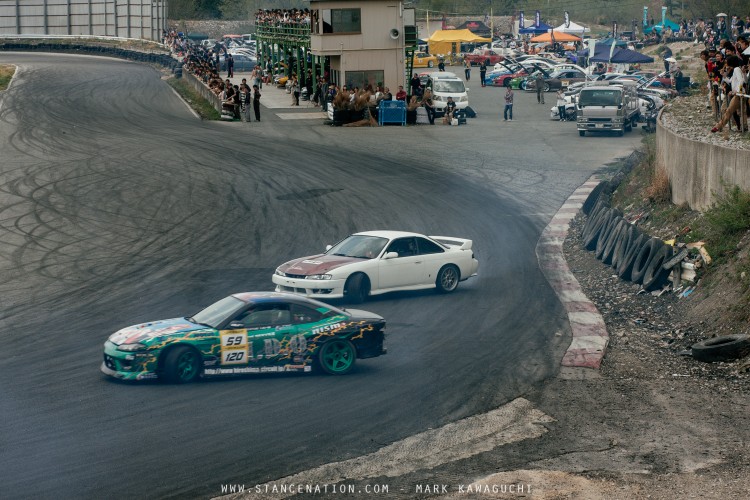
375 262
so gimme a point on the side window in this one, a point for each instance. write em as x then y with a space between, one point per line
302 314
427 246
265 316
404 247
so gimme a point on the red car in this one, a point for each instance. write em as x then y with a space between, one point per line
490 57
504 80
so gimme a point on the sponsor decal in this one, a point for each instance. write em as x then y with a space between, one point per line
327 328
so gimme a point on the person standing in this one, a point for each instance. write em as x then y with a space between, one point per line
561 105
482 72
256 102
245 101
666 55
295 91
416 85
429 106
467 69
539 84
508 111
230 66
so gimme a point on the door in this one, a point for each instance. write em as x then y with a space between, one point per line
261 332
404 270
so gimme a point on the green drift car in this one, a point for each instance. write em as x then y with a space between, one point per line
254 332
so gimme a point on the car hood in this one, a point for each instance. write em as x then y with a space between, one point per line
148 331
316 264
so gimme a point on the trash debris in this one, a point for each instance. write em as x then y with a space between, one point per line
687 292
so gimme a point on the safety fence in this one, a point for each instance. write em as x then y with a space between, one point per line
144 19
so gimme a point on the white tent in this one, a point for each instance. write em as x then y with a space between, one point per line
573 29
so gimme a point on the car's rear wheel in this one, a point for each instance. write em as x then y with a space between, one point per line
546 86
337 357
447 279
182 365
506 82
523 85
357 288
430 64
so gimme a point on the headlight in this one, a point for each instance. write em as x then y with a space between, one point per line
278 272
131 347
319 277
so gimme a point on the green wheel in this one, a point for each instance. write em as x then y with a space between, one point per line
337 357
182 365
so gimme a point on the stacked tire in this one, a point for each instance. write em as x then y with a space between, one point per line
634 255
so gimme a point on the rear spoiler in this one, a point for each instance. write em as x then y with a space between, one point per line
462 243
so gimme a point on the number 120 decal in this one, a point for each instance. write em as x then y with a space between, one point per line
234 347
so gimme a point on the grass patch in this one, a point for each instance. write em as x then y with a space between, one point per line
6 75
725 223
201 106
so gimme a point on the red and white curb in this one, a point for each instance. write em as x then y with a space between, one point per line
590 337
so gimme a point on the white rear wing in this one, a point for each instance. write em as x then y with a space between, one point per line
461 243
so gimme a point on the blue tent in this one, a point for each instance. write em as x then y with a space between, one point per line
609 41
658 27
620 56
535 30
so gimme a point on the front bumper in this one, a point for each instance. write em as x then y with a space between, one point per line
126 365
591 125
318 289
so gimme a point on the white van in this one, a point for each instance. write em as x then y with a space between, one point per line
444 85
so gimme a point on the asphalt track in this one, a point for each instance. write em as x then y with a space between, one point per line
117 206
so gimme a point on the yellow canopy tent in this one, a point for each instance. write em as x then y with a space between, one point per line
441 42
559 37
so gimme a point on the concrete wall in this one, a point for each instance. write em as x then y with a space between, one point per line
698 170
142 19
202 89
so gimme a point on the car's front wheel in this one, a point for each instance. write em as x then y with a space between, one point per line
357 288
430 64
447 279
182 365
546 86
337 357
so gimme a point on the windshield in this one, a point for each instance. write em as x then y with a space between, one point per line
450 86
218 312
604 97
359 246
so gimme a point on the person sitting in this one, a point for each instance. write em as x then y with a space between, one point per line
450 108
429 106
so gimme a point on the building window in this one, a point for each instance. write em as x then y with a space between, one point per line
342 21
361 79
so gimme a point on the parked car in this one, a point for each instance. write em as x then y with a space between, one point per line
559 79
424 60
488 56
375 262
253 332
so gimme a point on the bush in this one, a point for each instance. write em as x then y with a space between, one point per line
730 215
659 190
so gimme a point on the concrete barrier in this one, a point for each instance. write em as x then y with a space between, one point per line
699 171
202 89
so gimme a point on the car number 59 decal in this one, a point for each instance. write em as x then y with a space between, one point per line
234 347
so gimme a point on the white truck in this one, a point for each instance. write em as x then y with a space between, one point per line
607 107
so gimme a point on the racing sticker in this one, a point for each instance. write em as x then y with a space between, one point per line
234 348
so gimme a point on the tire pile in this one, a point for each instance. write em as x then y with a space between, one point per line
634 255
165 60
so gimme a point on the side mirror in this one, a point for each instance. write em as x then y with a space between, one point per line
328 247
390 255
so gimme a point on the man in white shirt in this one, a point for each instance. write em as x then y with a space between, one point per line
734 76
